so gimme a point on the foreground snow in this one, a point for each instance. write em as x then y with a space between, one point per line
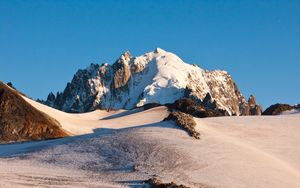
232 152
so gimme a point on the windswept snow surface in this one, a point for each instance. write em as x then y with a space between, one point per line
252 151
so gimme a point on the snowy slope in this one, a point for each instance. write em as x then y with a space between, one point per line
155 77
86 123
260 151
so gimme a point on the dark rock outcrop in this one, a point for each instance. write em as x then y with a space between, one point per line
19 121
256 110
209 103
184 121
81 91
51 99
157 183
277 109
10 85
191 107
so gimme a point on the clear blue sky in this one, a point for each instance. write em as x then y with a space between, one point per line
43 43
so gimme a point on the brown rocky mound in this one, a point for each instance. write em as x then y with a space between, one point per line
184 121
189 106
156 183
277 109
19 121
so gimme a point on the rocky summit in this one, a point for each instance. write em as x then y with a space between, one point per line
155 77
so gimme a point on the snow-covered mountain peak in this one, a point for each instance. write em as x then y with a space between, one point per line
159 50
154 77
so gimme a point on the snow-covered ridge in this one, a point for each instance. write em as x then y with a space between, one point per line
155 77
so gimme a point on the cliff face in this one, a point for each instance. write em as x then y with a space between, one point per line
251 108
19 121
155 77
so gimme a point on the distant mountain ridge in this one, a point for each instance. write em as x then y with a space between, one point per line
155 77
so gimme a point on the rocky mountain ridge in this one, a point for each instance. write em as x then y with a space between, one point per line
19 121
155 77
277 109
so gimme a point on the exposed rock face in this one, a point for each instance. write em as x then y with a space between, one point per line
19 121
79 95
251 108
155 77
252 101
122 71
257 110
157 183
208 102
10 85
184 121
189 106
51 99
277 109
